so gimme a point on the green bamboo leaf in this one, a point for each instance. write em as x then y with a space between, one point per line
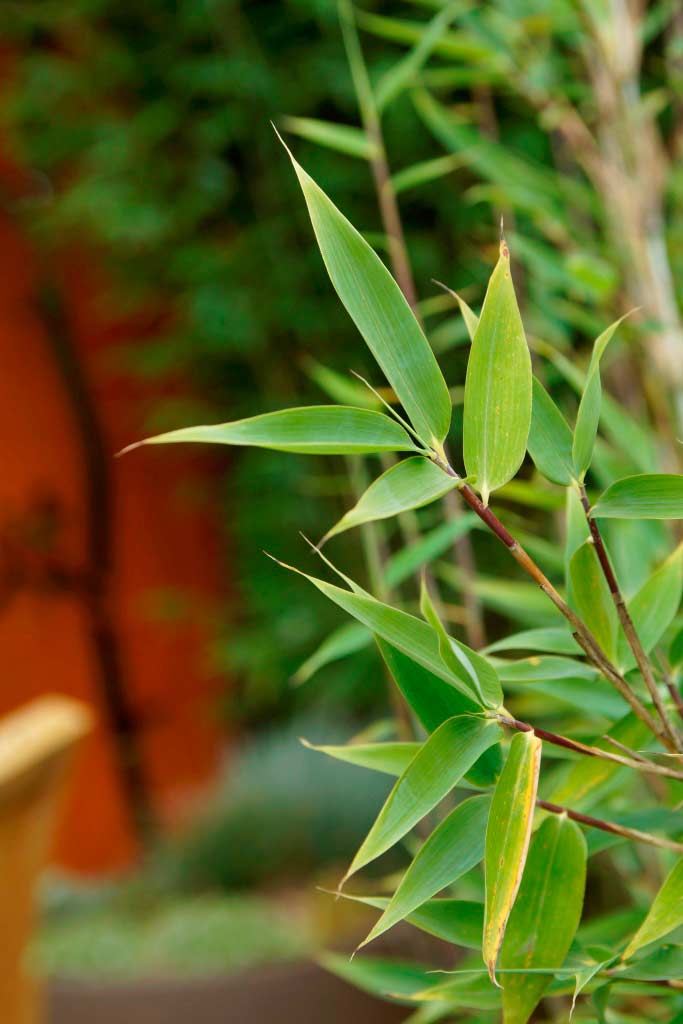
507 839
341 388
469 316
665 963
588 416
545 916
550 439
459 922
455 846
665 914
402 74
341 642
389 758
343 138
433 701
409 484
380 312
497 412
411 635
653 608
438 766
576 531
379 977
550 640
425 171
591 598
676 649
474 670
311 430
647 496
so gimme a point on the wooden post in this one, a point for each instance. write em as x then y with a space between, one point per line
36 744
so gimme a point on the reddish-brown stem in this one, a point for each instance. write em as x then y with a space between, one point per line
609 826
627 624
639 763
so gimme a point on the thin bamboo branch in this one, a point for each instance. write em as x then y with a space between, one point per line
610 826
627 624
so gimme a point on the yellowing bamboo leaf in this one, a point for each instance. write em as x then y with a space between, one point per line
497 412
311 430
409 484
380 312
545 916
438 766
507 839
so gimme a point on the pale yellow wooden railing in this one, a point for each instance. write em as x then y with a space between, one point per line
36 744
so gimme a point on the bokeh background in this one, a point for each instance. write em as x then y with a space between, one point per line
157 269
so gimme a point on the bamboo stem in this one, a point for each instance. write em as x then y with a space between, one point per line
610 826
627 624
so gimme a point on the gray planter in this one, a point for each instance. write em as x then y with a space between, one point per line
282 994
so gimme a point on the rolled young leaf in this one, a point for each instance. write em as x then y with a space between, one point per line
409 484
665 914
545 916
507 839
438 766
311 430
550 439
646 496
588 416
497 410
455 846
379 310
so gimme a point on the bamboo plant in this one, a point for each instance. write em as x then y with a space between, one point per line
517 813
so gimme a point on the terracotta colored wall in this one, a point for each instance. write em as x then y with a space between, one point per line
164 536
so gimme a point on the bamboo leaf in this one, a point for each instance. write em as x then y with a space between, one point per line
665 914
646 496
409 484
550 439
411 635
588 416
343 138
341 642
433 701
459 922
311 430
590 596
653 608
424 172
380 312
507 839
545 916
389 758
551 640
440 763
455 846
379 977
469 316
497 412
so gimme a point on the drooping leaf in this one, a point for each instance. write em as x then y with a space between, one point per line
390 758
665 914
411 635
459 922
497 411
345 640
378 308
379 977
550 439
507 838
588 416
409 484
546 914
455 846
433 701
312 430
342 138
437 767
590 596
653 608
647 496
